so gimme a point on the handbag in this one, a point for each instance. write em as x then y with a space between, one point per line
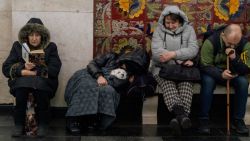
177 72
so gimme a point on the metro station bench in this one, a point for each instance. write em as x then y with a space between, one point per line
218 109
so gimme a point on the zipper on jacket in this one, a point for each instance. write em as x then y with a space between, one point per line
174 35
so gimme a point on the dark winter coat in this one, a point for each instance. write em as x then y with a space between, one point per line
136 61
84 96
102 65
14 63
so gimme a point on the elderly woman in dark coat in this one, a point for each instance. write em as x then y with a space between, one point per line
25 77
90 92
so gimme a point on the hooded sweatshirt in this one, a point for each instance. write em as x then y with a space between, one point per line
14 63
183 40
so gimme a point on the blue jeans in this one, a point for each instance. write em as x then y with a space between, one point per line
208 84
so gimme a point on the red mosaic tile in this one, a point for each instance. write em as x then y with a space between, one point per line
153 9
102 45
102 27
128 21
134 41
102 9
248 13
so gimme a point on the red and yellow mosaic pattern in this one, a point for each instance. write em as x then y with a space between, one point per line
118 23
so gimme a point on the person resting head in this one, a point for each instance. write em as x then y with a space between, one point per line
232 35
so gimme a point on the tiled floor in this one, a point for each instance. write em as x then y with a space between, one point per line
119 132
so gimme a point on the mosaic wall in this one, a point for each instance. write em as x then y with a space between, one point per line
118 23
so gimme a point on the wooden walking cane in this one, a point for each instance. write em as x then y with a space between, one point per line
228 100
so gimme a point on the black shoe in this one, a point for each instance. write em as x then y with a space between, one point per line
181 116
204 127
240 127
42 130
17 131
185 122
105 122
74 128
175 126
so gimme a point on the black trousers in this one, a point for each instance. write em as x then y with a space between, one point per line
42 100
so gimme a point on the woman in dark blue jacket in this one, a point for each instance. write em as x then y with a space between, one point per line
26 77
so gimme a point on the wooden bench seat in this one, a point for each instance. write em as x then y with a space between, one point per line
219 89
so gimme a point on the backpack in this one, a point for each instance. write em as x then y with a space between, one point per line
215 40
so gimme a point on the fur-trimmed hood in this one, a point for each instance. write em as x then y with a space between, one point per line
34 25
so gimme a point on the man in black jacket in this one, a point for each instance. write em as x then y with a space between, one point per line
229 42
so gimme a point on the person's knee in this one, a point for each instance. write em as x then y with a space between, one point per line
207 83
42 100
21 98
108 89
207 80
241 82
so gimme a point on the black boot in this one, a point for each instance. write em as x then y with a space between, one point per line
105 121
240 127
183 119
185 122
42 130
19 118
175 126
73 125
204 127
43 123
89 122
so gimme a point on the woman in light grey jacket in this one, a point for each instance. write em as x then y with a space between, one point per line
174 42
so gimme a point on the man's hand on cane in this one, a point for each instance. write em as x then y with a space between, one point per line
231 53
226 74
